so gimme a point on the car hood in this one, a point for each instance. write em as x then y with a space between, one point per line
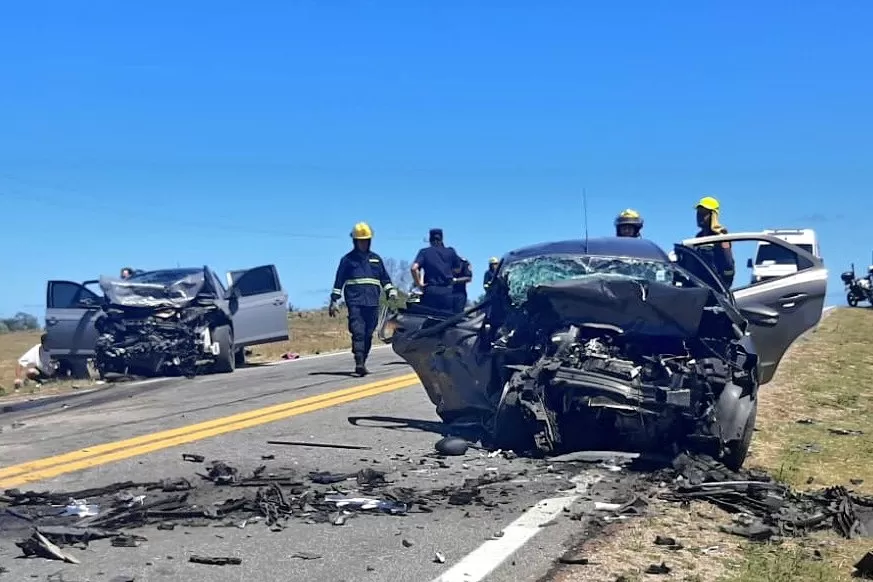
175 294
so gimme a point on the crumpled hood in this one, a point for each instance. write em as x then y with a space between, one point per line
155 295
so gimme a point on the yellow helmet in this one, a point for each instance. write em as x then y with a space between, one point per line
362 231
709 203
493 261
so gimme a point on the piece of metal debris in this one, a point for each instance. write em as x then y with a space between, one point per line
439 558
305 556
193 458
661 568
406 543
127 541
575 559
319 445
845 432
38 545
215 561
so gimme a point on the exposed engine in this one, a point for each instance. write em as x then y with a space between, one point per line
591 384
147 341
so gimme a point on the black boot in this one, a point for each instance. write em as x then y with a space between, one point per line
360 369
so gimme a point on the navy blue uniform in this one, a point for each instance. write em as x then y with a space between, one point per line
459 290
361 278
720 259
440 265
486 280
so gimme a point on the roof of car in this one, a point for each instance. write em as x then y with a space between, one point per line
607 246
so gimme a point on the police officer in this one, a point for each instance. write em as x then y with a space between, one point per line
629 223
720 256
493 262
459 287
360 278
441 265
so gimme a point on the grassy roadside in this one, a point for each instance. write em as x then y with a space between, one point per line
826 378
312 332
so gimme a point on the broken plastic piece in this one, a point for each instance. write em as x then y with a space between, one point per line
363 503
193 458
661 568
39 545
80 508
439 558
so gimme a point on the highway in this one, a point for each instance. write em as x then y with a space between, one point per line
139 431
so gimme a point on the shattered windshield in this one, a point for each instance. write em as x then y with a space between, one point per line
165 277
525 274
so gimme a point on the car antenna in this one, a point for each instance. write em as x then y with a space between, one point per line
585 216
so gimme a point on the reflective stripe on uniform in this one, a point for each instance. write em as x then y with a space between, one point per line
337 291
364 281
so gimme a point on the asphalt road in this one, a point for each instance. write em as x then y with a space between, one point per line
308 399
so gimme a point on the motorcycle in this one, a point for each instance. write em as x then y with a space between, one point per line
857 290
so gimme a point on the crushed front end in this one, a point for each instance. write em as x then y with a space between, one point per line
164 328
591 353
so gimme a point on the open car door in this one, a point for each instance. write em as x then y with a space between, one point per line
778 310
258 305
71 309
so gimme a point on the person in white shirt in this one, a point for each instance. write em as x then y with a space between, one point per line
35 364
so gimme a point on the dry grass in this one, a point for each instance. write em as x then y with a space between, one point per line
312 332
825 377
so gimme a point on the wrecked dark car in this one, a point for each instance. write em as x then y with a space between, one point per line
180 321
609 344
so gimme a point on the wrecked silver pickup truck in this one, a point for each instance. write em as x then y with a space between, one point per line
180 321
609 344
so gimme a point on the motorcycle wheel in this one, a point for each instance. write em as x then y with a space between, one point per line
852 299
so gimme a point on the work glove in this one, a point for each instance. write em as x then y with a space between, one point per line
332 309
392 294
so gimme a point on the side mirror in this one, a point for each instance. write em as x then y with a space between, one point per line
749 264
759 314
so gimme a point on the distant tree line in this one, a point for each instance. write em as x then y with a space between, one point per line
19 322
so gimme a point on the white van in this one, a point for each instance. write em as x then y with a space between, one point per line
772 261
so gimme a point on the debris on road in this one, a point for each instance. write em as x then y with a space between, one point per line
230 497
439 558
319 445
767 508
38 545
193 458
222 561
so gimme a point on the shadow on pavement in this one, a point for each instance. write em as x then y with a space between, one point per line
343 374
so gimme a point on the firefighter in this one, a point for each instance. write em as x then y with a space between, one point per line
441 266
719 256
360 278
629 223
493 262
459 285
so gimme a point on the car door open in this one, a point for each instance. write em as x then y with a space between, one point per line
71 309
259 306
778 310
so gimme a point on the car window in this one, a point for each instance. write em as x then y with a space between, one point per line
257 281
68 295
774 254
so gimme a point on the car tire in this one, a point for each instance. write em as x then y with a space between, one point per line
240 357
225 361
76 367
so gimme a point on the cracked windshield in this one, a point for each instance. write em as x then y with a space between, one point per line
525 274
264 314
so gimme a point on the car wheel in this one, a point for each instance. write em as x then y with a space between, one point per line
225 361
512 431
77 368
240 357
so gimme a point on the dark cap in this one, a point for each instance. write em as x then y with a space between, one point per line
436 232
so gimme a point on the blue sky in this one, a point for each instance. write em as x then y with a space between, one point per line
151 134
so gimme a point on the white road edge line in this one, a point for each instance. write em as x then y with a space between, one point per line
479 563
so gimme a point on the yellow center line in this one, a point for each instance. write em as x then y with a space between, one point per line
106 453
